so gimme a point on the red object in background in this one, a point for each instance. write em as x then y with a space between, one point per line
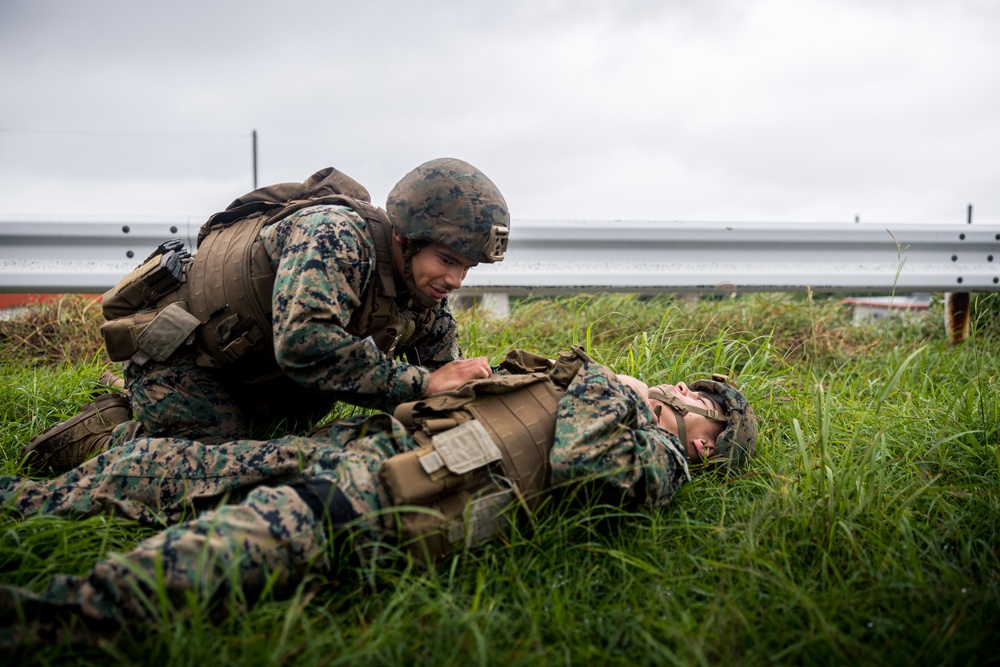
15 300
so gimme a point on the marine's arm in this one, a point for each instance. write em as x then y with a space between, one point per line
606 433
325 262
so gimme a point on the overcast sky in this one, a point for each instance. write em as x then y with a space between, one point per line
734 110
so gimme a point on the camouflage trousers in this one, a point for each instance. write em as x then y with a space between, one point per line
271 537
178 398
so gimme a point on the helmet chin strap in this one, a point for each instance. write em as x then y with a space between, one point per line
411 287
681 409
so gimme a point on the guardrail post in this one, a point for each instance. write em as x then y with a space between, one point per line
956 316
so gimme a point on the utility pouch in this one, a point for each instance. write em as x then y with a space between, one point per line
481 448
169 329
567 365
119 334
520 362
449 462
461 519
453 479
146 335
161 273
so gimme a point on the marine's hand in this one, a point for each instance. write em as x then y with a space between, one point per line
455 373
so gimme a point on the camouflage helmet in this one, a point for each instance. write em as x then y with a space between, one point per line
451 202
736 444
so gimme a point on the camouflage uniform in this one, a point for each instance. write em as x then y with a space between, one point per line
324 261
301 294
289 490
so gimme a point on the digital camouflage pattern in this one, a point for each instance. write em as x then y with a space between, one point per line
267 530
736 444
451 202
606 431
605 435
324 261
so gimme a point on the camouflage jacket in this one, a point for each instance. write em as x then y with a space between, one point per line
325 261
606 432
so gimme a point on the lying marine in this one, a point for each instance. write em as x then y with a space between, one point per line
439 474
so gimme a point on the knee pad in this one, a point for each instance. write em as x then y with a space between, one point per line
325 499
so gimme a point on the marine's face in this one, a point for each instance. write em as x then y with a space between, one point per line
701 431
437 270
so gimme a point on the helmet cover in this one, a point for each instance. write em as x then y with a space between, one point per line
737 442
451 202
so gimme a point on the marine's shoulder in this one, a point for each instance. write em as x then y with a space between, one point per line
332 217
335 227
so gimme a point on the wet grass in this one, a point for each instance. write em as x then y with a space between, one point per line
867 529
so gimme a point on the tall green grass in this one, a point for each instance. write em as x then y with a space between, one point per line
866 530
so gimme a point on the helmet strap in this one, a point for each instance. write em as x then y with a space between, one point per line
681 427
681 409
409 250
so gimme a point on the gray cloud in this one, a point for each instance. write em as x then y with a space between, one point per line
759 110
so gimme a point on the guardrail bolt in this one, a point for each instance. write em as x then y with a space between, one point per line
131 254
126 229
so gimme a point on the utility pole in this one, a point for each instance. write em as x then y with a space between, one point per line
254 135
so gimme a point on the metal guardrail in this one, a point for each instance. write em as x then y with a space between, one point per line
551 257
84 255
567 256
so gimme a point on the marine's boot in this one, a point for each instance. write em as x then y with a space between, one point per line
67 445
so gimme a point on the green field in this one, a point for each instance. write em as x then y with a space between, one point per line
866 531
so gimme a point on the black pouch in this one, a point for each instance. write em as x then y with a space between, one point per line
161 273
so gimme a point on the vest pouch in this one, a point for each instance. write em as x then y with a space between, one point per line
423 534
160 274
451 477
483 518
568 365
520 362
489 448
120 334
462 519
149 334
172 326
406 480
455 458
